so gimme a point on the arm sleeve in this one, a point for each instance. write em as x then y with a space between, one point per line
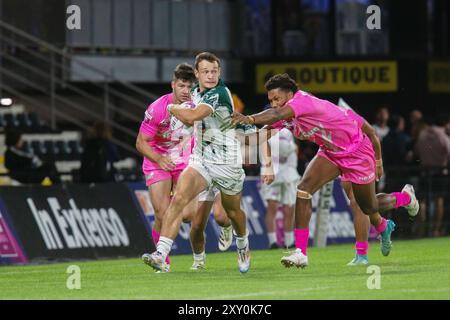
360 120
278 125
294 104
211 99
149 125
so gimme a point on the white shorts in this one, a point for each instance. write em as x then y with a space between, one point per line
229 179
208 194
284 193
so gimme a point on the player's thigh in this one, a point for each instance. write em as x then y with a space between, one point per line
189 185
160 196
231 203
271 193
347 187
365 196
289 194
318 172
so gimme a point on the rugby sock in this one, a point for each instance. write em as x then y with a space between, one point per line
288 238
361 248
272 237
382 226
155 235
199 257
164 246
242 242
402 199
301 239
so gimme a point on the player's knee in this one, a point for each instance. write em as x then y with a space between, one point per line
160 211
305 186
304 191
232 213
179 200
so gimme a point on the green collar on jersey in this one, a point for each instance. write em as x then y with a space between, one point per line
197 86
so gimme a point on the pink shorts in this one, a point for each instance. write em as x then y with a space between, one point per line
157 175
358 166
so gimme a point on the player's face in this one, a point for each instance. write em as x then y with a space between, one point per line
208 74
181 90
278 97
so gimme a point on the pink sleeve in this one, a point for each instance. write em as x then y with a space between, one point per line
360 120
294 103
278 125
149 124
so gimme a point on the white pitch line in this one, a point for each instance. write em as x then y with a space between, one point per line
265 293
26 272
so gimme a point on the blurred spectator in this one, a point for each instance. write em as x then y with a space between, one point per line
23 166
396 143
99 155
381 122
447 127
417 123
415 117
433 151
397 151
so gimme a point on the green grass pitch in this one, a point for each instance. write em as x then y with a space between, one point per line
416 269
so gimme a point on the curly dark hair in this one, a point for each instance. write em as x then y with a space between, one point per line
281 81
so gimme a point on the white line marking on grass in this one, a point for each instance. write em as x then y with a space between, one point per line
26 272
266 293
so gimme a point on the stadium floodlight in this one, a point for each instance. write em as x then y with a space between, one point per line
6 102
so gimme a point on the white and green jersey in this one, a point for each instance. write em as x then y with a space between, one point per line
215 136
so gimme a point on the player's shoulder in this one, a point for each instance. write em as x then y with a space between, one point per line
157 108
161 102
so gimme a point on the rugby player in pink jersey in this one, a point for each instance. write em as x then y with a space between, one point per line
349 148
166 144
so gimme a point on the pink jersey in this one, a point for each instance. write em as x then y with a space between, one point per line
169 136
335 129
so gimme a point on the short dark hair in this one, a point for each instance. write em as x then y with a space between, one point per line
394 121
12 136
185 72
208 56
281 81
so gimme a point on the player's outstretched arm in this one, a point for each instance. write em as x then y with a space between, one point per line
371 133
268 117
189 116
